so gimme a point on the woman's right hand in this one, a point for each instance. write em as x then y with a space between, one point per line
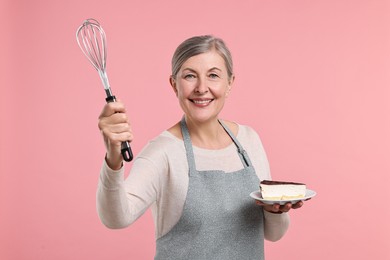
115 128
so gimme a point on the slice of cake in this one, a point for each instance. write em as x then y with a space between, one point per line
282 190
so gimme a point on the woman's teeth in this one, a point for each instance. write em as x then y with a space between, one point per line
202 101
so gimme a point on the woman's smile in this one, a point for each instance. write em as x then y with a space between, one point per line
201 102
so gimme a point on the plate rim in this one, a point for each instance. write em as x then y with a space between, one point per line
282 202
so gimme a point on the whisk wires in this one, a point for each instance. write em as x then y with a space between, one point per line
91 39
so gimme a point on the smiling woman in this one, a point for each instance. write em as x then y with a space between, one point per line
198 174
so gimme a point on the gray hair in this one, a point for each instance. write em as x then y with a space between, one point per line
198 45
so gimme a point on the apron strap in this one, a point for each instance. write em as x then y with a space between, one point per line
243 155
188 146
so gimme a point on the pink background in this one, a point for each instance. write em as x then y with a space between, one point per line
312 77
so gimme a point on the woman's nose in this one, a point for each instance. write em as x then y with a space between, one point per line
202 86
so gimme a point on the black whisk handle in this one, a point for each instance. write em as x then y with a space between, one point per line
126 152
110 99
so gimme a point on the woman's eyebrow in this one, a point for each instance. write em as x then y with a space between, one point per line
215 68
192 70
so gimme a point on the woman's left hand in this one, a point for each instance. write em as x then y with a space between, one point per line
277 208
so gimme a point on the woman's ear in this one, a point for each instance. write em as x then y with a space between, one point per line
172 81
231 81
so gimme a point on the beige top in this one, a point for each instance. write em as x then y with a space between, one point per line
159 179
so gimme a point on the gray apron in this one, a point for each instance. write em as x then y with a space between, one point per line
219 220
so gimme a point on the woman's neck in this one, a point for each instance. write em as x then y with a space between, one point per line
208 135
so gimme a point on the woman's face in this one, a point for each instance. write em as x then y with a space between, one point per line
202 85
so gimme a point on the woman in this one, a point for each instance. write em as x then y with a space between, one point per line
198 174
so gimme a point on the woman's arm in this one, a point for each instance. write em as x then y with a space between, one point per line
111 201
121 202
118 204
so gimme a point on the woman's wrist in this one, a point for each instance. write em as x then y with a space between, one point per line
114 164
274 212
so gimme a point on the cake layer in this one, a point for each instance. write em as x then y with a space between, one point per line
282 190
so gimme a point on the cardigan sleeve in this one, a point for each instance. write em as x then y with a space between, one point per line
275 225
122 201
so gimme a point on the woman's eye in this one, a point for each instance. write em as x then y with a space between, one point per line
213 76
189 76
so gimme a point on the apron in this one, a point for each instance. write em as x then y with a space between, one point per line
219 220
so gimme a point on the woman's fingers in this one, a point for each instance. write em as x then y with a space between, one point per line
117 138
116 133
112 108
114 120
277 208
120 128
114 126
297 205
286 207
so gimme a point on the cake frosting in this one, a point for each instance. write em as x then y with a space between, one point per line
282 190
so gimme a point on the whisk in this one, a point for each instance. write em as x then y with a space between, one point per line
91 39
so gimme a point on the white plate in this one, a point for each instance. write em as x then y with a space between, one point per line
257 196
